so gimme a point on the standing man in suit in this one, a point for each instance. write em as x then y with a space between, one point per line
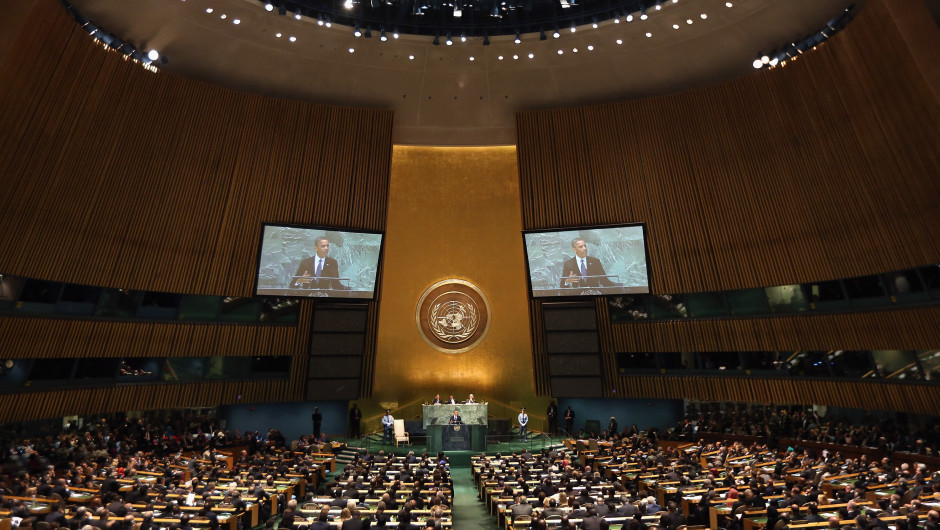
583 270
552 415
316 272
456 419
388 426
317 422
569 420
355 416
523 423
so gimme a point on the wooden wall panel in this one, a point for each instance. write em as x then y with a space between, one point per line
901 329
822 169
914 398
79 401
116 176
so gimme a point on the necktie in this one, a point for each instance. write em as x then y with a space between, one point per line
319 267
583 268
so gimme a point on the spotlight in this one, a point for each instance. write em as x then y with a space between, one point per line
630 17
659 5
764 59
643 15
368 33
357 32
281 10
395 34
383 37
269 7
757 64
463 37
153 55
556 34
437 40
573 29
542 35
486 39
448 41
297 15
518 39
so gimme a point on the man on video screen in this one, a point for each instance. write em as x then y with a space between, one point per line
583 270
317 272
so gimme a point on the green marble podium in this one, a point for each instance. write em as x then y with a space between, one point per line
436 420
472 414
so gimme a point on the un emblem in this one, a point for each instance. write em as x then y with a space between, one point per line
453 316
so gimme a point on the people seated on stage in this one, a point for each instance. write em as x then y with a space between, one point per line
451 400
470 400
436 400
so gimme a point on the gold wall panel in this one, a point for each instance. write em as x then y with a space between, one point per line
454 213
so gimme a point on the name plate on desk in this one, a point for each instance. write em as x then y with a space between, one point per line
470 414
456 438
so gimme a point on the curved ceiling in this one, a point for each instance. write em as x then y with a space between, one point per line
466 93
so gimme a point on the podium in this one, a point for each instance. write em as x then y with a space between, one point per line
456 438
470 436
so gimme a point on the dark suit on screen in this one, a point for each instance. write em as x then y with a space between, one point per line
594 268
309 267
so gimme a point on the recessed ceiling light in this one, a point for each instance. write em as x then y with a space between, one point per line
472 58
500 57
704 16
560 52
223 16
575 50
531 56
590 47
515 57
619 41
411 57
648 34
237 21
675 26
293 38
351 50
688 21
278 35
209 10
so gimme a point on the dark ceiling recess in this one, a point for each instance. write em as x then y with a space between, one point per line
470 18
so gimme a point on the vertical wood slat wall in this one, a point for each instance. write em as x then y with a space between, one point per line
914 398
115 176
823 169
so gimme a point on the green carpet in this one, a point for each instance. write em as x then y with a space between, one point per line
468 511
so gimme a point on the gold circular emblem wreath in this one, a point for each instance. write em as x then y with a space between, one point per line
453 316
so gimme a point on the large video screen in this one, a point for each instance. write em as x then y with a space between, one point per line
306 261
587 261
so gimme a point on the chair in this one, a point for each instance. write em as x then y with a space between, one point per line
400 434
780 525
521 520
592 426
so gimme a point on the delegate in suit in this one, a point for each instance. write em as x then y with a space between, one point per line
583 270
320 269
